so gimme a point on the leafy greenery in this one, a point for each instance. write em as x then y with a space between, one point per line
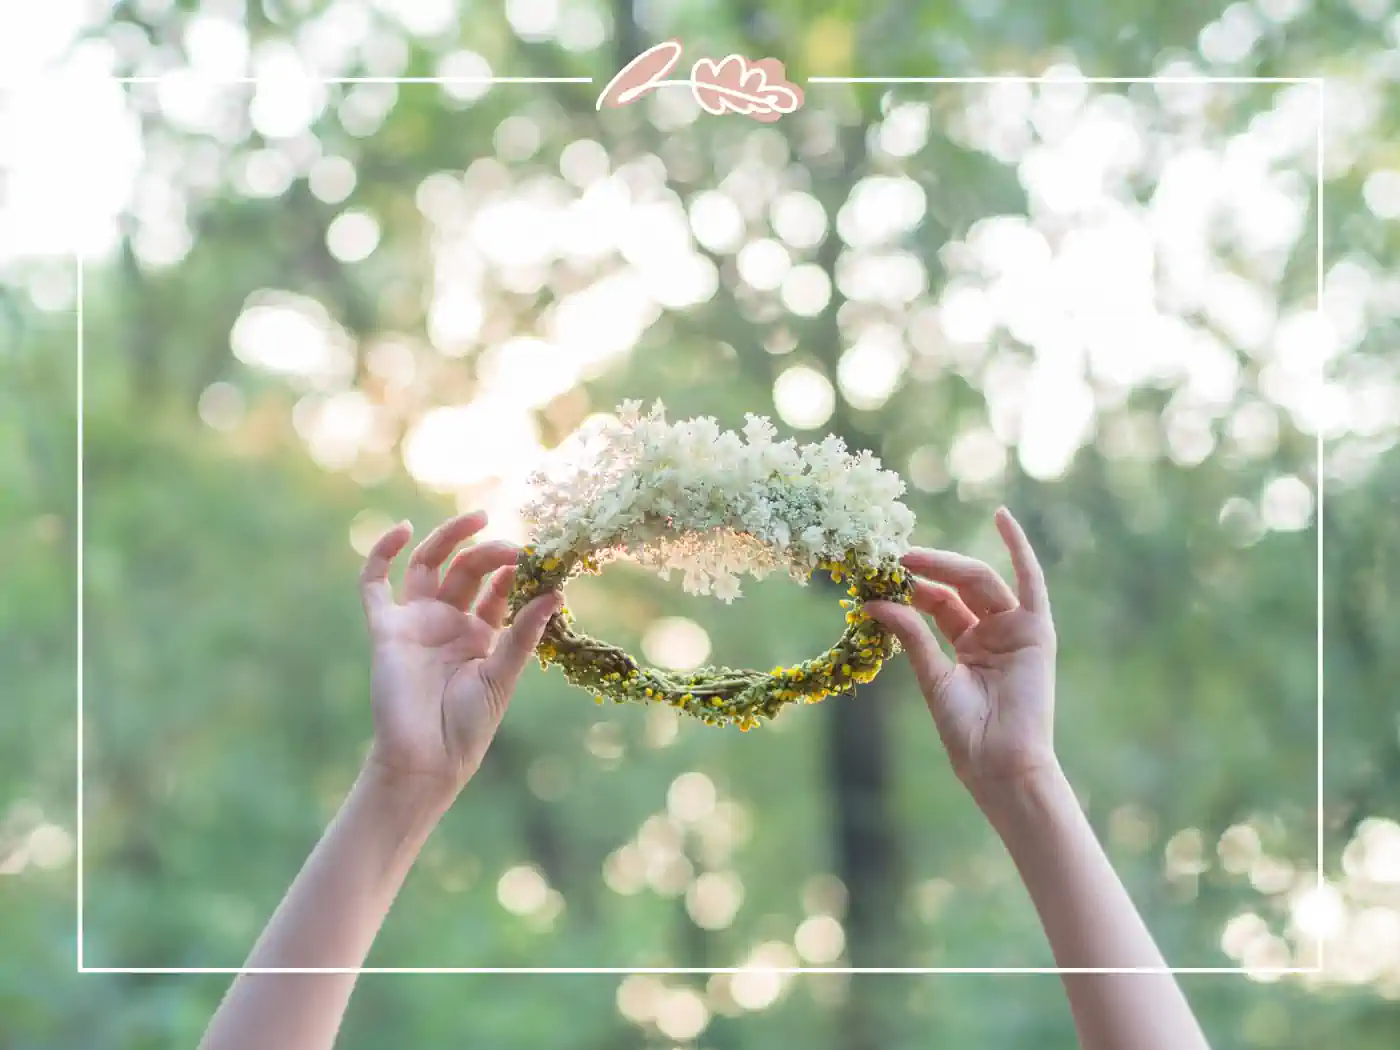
225 703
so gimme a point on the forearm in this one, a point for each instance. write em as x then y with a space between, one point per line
1091 922
328 919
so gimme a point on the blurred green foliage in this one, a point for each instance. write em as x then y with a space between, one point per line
224 686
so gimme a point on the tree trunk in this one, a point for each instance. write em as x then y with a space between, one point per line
866 852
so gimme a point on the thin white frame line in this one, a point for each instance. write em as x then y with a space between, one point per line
82 356
1236 971
159 78
1241 970
1016 79
1321 471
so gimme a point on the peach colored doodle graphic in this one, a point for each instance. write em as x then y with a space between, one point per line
759 89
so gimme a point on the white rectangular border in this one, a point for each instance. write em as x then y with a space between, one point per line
1236 970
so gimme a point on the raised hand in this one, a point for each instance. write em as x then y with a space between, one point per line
443 667
993 700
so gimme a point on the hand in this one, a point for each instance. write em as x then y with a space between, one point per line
994 702
443 669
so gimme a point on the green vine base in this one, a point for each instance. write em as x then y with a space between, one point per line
716 695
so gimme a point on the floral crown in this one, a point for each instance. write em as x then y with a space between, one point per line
715 504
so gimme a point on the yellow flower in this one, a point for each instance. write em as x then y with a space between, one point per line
857 657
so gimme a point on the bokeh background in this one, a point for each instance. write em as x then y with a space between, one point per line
313 309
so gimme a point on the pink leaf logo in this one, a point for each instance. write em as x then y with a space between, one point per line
645 72
733 85
761 90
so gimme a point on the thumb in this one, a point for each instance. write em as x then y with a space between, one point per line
932 666
502 668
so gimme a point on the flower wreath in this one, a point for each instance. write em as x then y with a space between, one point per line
689 496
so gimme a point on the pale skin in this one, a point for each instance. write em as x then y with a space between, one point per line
443 671
993 701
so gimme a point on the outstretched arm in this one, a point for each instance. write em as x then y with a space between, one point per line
443 674
994 707
328 919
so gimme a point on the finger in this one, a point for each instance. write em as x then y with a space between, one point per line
376 591
495 603
502 668
977 583
421 580
932 665
1030 577
462 580
947 609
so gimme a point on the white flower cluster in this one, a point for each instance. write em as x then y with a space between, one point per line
713 504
